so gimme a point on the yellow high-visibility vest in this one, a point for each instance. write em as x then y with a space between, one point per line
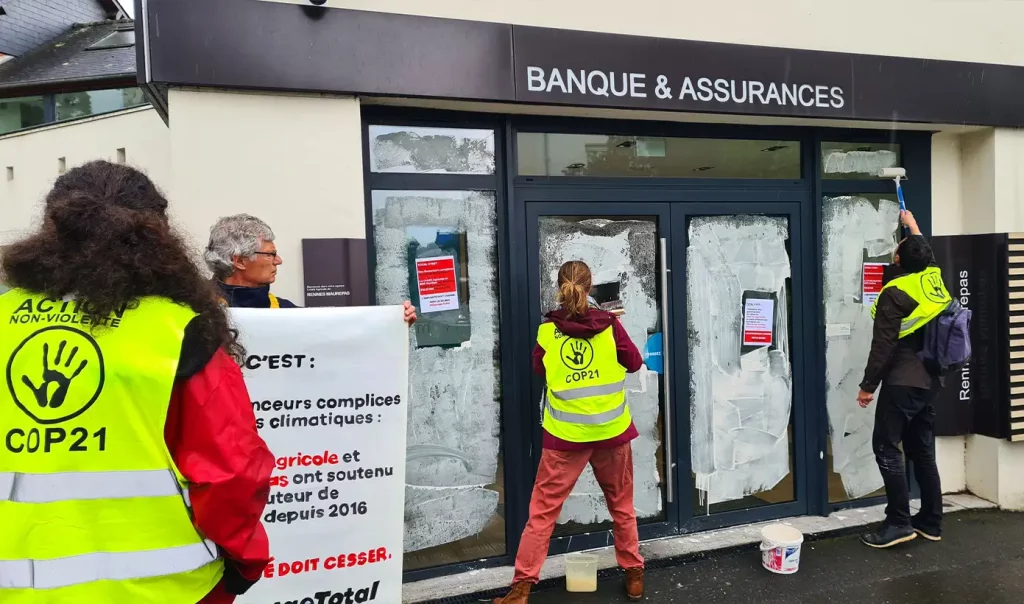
585 399
928 290
274 302
92 507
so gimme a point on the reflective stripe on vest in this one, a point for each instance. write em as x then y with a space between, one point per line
585 399
70 486
574 394
105 566
927 289
579 418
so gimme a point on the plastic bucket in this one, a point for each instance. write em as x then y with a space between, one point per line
780 548
581 573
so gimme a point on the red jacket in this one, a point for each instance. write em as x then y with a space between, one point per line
588 326
211 434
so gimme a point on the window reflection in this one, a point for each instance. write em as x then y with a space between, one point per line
24 112
547 154
74 105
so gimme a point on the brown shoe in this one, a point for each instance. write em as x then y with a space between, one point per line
635 584
520 594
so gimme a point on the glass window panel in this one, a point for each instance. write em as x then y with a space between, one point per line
19 113
414 150
856 230
454 487
857 161
741 379
545 154
623 252
118 39
74 105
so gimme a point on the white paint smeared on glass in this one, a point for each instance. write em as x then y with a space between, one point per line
854 231
403 149
857 162
624 251
453 435
739 403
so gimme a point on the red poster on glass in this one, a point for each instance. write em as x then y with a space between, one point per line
873 272
438 284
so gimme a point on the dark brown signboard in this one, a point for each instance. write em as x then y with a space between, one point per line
336 272
277 46
975 399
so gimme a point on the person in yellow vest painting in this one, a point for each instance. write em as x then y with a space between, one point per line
915 296
243 258
584 355
131 470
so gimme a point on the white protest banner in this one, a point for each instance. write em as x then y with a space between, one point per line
330 391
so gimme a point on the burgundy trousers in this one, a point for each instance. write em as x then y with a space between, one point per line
556 477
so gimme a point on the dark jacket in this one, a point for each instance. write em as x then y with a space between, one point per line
586 327
238 296
892 360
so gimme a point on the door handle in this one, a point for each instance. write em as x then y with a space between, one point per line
666 398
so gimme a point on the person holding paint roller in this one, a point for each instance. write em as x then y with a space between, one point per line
913 298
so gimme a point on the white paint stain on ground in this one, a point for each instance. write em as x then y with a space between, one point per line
740 404
854 231
624 251
453 434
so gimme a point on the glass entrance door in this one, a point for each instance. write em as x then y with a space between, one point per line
711 297
626 247
740 360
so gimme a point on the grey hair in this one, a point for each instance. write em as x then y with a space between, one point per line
240 235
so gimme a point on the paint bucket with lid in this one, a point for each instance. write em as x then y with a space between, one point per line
780 548
581 572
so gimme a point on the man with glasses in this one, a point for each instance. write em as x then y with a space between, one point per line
244 260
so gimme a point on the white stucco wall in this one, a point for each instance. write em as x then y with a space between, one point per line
984 31
33 158
977 188
293 161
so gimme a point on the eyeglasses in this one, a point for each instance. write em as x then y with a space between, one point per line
271 254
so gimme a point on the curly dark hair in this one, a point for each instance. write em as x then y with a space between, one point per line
106 240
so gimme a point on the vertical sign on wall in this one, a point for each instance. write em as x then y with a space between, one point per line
336 272
330 392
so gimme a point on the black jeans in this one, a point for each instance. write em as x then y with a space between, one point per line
906 414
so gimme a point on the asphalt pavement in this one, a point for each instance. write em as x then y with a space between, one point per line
979 561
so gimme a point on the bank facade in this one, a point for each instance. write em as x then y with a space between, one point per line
725 193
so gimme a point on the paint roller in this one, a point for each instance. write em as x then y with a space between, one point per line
896 174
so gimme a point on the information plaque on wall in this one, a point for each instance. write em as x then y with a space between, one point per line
336 272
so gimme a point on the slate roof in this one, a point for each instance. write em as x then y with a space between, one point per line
67 60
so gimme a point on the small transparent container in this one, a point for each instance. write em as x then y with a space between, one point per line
581 572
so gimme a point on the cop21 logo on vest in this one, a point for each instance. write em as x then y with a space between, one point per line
933 288
577 354
56 374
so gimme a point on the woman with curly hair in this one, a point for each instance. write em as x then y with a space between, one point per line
132 471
